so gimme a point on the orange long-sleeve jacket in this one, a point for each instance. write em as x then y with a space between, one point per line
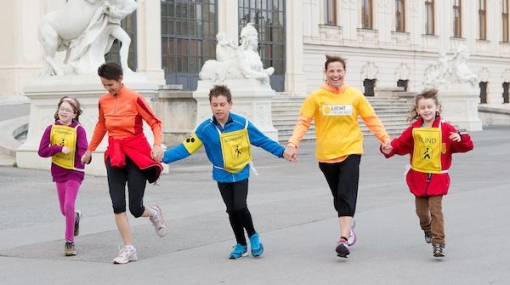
122 116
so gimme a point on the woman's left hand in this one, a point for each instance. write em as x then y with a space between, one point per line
157 153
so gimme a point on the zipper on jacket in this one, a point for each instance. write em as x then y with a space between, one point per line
115 106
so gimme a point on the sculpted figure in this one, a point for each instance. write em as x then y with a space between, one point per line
441 73
225 48
452 69
460 67
58 28
86 47
245 62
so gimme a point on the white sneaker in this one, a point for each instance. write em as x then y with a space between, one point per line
126 254
158 221
351 239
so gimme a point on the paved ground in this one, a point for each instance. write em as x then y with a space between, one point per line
293 213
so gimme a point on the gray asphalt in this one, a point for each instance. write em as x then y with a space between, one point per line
292 210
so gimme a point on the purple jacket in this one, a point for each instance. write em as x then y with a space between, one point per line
46 150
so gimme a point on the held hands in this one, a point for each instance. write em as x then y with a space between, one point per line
290 154
386 147
157 153
85 158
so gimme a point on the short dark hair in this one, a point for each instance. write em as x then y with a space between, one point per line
220 90
334 58
110 71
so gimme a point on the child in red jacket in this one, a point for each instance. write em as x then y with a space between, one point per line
430 143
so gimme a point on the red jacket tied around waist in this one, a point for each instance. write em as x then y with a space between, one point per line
138 150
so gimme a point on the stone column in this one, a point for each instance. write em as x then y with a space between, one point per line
227 19
295 81
148 24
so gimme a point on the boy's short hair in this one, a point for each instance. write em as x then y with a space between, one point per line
110 71
220 90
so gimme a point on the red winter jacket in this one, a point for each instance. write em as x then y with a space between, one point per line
428 184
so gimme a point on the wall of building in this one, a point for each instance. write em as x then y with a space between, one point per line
387 56
379 53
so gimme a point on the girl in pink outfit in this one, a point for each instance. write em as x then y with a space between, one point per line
65 141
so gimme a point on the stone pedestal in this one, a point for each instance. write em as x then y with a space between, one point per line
460 106
251 99
177 109
45 93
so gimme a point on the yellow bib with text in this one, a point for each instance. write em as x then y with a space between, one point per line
427 150
64 136
235 147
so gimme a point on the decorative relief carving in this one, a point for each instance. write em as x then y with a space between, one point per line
369 70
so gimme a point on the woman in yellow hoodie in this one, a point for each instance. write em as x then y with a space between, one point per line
335 108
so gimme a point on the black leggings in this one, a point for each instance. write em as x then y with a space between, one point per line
136 182
343 180
234 196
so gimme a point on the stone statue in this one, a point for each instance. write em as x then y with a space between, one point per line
451 69
225 48
58 28
460 68
245 63
85 29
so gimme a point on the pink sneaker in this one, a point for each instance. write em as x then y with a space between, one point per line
342 248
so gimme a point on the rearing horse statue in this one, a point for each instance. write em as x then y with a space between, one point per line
58 28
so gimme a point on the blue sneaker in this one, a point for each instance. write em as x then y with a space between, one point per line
256 246
239 251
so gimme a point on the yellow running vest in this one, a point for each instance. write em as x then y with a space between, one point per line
64 136
427 150
235 147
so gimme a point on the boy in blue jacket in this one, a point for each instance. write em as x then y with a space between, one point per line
227 138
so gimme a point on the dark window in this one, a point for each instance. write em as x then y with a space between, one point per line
369 85
429 17
403 83
330 12
483 92
504 16
457 19
268 18
400 16
482 19
505 92
366 14
188 31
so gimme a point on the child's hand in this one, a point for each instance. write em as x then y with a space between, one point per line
386 147
455 137
86 157
65 150
290 154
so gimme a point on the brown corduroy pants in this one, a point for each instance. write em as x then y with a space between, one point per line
430 213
